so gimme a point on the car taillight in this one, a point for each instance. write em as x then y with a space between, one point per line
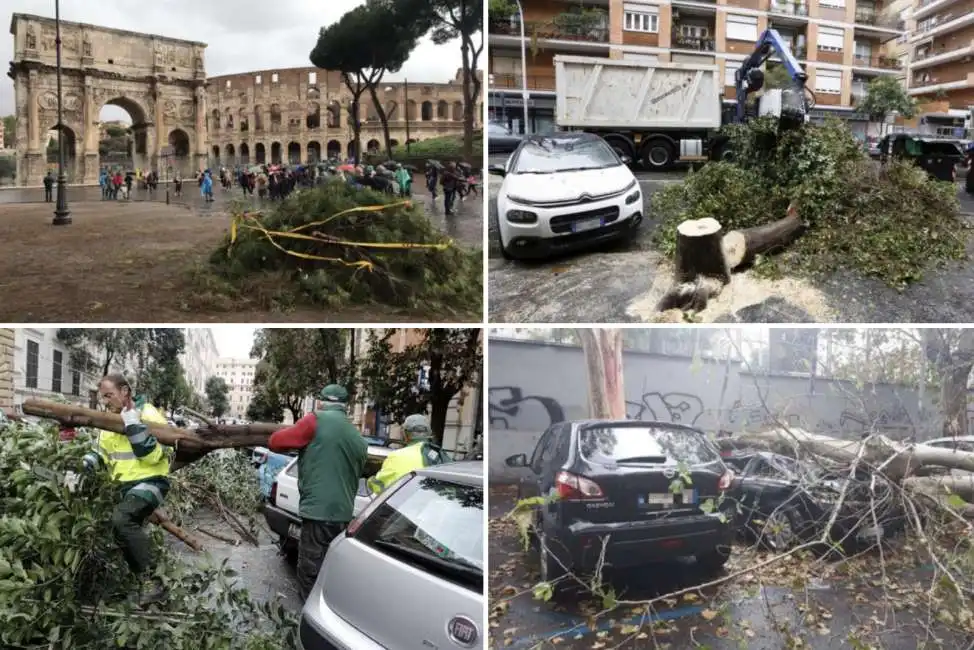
725 481
576 488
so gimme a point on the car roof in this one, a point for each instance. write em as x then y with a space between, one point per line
950 439
465 472
631 423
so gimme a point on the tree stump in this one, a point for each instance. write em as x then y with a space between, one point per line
699 251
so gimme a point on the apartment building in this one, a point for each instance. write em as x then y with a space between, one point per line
239 376
842 44
941 73
199 357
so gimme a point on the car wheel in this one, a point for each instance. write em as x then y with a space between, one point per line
714 560
495 222
780 530
552 571
658 154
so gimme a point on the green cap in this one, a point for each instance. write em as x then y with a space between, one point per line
417 426
334 393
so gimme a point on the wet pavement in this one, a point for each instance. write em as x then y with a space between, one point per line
622 282
780 609
466 226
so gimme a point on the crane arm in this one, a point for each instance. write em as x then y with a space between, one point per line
769 43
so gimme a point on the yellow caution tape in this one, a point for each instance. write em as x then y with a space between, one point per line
240 221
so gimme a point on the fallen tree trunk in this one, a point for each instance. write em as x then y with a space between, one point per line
160 518
741 247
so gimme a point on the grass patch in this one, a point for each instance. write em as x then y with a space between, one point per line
444 149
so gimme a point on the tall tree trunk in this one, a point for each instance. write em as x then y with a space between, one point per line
439 407
383 118
468 102
952 353
603 358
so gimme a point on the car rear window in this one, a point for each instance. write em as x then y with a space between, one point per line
613 444
434 524
941 149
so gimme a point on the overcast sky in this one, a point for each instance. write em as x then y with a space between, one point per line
234 340
242 35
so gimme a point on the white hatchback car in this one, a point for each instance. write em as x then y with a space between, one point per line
564 191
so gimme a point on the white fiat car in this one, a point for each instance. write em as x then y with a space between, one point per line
564 191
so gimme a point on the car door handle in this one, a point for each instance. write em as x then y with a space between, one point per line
283 496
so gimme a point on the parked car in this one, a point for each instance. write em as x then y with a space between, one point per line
969 181
282 510
563 192
409 571
269 465
500 139
939 158
953 443
784 502
619 479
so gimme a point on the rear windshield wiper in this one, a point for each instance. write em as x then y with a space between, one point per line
640 459
428 559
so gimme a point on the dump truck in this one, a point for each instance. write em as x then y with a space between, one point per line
661 113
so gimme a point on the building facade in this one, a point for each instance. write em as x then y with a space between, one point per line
43 368
199 357
841 43
941 74
7 343
302 115
239 376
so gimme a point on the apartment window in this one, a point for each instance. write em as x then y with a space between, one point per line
640 18
730 69
75 382
33 357
838 4
694 31
258 80
274 77
228 83
830 39
312 78
742 28
57 371
828 81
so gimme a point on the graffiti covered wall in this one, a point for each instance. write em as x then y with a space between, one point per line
533 384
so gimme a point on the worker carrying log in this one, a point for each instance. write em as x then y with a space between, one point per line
140 465
331 462
419 452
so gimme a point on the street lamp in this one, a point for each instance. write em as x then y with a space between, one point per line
405 92
524 65
62 216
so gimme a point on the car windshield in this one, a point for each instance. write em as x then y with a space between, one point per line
645 444
435 524
550 156
498 129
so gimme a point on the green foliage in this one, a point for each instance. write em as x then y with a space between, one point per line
299 362
225 476
265 405
64 583
216 394
777 76
889 223
8 166
885 94
448 281
444 149
10 130
453 359
501 9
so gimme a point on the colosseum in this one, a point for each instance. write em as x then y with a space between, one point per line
302 115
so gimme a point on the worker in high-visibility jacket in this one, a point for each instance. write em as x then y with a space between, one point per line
140 465
419 452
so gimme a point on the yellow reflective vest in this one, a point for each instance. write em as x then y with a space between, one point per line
403 461
119 456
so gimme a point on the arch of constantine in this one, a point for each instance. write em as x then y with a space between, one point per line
159 81
301 115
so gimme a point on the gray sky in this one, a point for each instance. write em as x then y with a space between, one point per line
242 35
234 340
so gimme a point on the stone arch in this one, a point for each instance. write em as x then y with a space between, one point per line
140 144
412 141
427 114
411 110
392 110
371 113
275 153
373 146
294 113
228 118
293 153
334 115
244 153
442 110
260 154
313 120
351 149
258 118
314 93
244 120
314 152
275 117
231 157
457 111
216 154
181 159
215 119
69 139
394 142
334 149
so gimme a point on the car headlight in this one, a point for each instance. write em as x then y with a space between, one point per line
632 198
521 216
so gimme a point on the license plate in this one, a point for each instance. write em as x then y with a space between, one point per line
294 531
660 499
586 224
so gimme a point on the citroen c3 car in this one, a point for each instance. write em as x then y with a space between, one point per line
409 570
562 192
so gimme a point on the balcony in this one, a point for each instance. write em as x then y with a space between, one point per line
925 58
680 42
874 18
941 24
876 61
513 82
585 27
951 80
928 7
788 8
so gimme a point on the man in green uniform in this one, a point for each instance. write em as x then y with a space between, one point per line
331 461
140 465
419 452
